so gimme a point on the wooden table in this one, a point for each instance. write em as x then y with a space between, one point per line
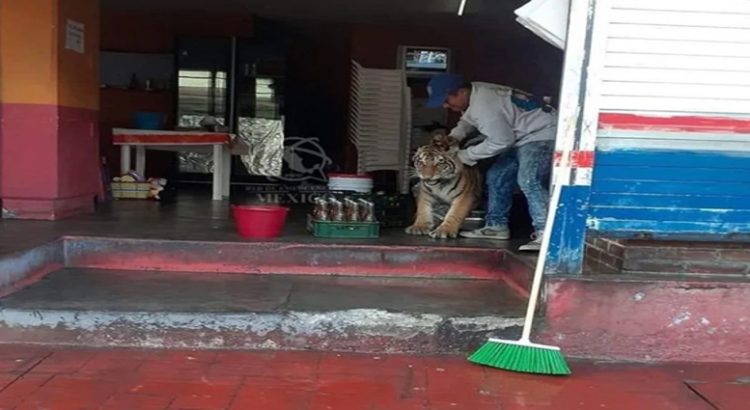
177 141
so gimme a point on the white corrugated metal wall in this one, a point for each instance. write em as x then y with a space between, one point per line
677 57
673 146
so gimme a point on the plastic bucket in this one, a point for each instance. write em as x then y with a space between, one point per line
150 120
259 221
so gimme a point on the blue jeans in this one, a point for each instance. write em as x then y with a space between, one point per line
527 166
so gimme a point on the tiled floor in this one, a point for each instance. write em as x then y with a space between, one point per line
44 378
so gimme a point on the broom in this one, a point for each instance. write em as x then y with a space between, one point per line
523 355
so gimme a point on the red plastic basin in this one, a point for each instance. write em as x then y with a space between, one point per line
259 221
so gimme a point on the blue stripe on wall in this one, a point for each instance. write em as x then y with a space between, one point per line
672 214
670 201
676 159
634 186
657 173
565 254
670 192
624 228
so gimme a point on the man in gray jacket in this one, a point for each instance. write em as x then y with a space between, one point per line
519 139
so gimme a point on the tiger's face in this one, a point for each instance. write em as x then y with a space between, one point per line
434 164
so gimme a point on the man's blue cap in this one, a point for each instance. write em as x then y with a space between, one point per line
440 86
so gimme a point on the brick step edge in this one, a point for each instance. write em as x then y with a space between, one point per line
635 257
687 260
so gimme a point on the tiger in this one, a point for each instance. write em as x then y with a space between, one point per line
443 178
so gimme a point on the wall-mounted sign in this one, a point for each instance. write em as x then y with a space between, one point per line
74 36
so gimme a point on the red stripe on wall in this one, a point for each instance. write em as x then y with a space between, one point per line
676 123
578 159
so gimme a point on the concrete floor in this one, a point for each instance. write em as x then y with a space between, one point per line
111 290
193 218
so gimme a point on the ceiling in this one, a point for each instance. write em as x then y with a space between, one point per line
478 12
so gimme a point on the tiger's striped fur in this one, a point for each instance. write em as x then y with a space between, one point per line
444 178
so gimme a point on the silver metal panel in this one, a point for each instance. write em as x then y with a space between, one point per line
264 139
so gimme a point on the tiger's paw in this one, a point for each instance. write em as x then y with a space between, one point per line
444 232
418 229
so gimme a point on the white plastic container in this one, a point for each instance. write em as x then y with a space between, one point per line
350 182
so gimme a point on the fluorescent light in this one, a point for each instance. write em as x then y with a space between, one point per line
461 8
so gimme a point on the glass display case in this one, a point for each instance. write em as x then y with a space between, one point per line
239 83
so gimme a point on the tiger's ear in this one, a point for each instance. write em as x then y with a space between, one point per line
438 139
452 142
416 155
445 142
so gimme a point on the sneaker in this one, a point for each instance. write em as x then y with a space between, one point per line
488 232
534 245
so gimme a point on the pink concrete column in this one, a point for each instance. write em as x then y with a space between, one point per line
49 90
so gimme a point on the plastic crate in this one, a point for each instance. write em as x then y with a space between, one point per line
350 230
394 210
130 190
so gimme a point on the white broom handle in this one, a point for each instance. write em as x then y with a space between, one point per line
542 260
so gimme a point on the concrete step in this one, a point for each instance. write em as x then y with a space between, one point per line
690 258
640 317
98 307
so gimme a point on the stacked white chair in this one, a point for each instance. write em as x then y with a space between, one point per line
380 121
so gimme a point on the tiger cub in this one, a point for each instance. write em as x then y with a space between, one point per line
443 178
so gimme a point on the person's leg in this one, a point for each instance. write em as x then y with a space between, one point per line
500 180
534 167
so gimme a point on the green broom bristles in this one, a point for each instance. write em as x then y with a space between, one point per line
521 357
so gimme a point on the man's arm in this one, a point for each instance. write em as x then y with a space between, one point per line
462 129
500 137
